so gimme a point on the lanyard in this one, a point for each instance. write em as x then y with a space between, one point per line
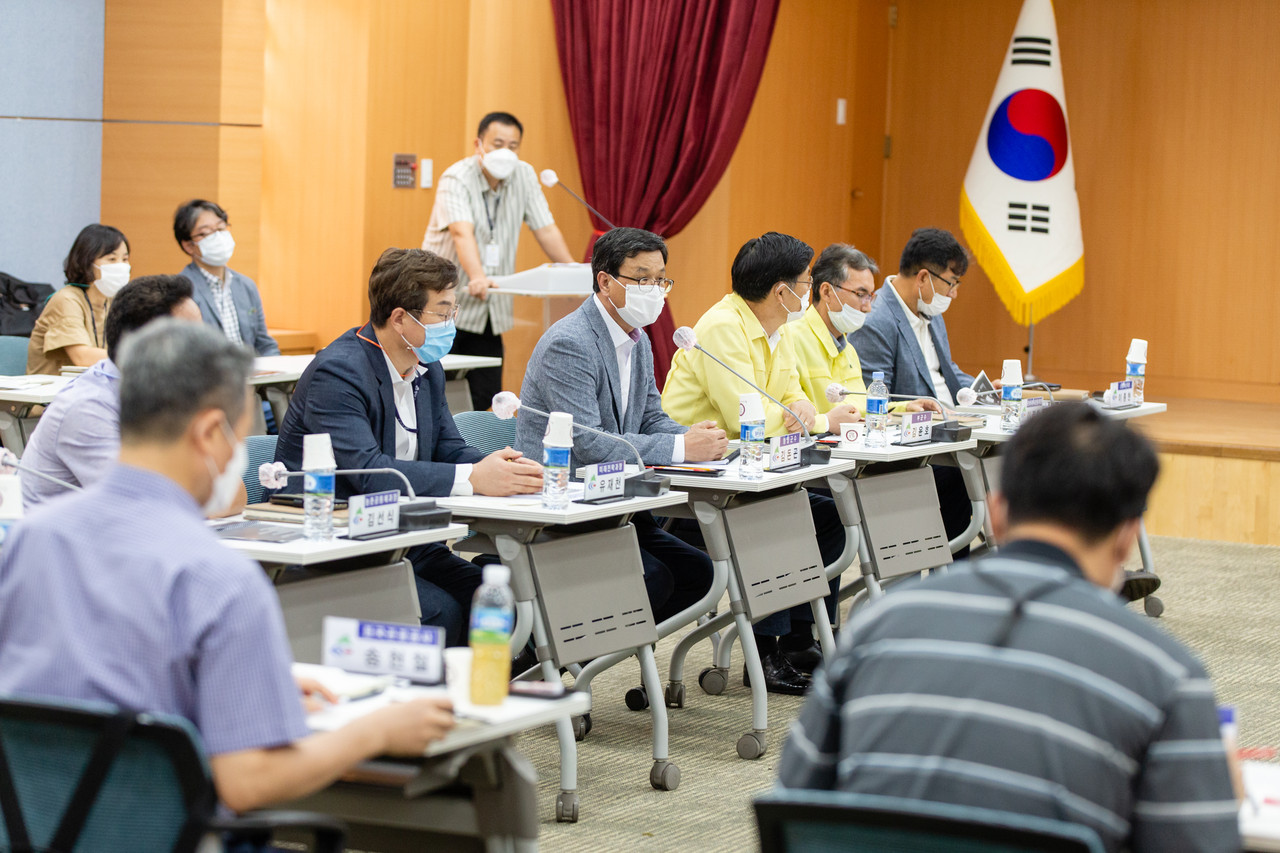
497 200
93 321
414 385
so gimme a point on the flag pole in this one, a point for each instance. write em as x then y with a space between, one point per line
1030 375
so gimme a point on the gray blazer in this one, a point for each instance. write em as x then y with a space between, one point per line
249 315
886 342
574 369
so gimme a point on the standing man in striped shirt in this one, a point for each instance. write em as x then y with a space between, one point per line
480 205
1020 682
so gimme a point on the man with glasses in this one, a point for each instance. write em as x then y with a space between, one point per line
844 283
597 365
378 391
905 337
228 300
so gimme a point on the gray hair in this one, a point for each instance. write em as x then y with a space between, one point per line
170 370
834 263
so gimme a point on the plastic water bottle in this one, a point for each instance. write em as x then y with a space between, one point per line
1136 367
493 616
877 412
317 486
557 447
1011 395
751 437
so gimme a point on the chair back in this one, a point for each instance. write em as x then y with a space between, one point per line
13 355
87 777
485 431
831 821
261 448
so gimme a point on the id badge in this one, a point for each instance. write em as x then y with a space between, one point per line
490 258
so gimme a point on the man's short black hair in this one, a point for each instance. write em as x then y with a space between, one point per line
935 249
766 260
1073 467
616 245
184 218
835 261
141 301
500 118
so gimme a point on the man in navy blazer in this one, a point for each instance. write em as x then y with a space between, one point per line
905 338
597 365
378 391
228 300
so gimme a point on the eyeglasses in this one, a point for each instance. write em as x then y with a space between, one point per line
866 297
663 284
951 285
444 318
200 235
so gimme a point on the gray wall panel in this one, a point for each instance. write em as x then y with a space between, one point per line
51 52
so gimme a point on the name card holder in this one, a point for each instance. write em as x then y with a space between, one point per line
917 428
784 452
604 482
385 648
373 515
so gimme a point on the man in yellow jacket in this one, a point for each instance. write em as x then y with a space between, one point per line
844 284
771 287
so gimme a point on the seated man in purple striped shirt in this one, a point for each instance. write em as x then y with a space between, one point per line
148 611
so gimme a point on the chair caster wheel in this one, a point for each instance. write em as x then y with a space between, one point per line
1153 606
751 745
637 699
675 694
581 726
567 807
664 776
713 680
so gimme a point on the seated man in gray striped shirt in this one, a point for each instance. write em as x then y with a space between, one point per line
1020 681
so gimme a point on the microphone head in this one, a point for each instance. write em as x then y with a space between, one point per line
685 338
966 397
549 177
8 461
273 475
835 392
505 405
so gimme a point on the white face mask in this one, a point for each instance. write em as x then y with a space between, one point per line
794 316
216 248
500 162
111 278
939 304
642 308
226 484
848 319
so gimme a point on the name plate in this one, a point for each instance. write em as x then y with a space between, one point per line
603 480
917 427
1032 406
373 514
784 451
1119 395
384 648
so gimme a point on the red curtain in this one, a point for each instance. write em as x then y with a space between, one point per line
658 92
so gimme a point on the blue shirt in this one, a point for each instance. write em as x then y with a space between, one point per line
78 436
122 594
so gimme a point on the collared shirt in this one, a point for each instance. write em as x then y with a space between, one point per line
74 316
77 438
698 389
1070 707
226 305
405 393
624 343
147 610
464 195
823 358
920 325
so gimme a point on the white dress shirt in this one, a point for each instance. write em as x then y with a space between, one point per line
623 345
920 325
407 424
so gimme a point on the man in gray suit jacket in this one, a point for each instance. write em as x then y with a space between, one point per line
228 300
597 365
905 338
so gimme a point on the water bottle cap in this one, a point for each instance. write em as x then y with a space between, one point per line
877 376
750 407
317 452
497 575
1012 372
559 430
1137 351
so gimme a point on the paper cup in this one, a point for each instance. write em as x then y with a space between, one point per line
850 433
457 674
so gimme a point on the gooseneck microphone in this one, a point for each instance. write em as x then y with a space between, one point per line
8 459
549 179
646 483
273 475
837 392
811 454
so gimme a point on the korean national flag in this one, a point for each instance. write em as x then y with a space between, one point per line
1018 207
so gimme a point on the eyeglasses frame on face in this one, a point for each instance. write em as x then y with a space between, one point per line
196 238
645 283
867 299
951 286
444 318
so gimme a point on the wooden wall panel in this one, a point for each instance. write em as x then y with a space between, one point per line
244 40
1207 497
1175 174
239 191
163 60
